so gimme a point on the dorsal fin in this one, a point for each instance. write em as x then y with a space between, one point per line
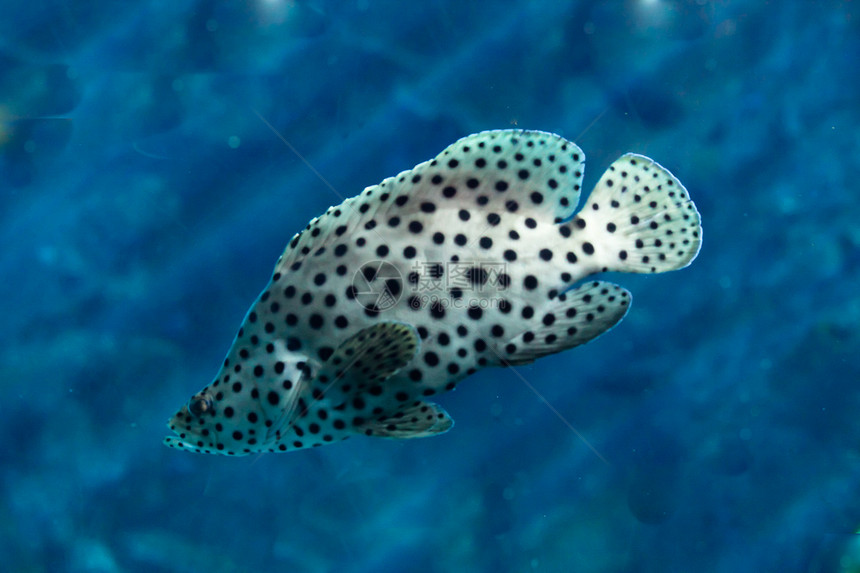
500 173
503 171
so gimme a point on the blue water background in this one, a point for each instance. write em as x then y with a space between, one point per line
144 201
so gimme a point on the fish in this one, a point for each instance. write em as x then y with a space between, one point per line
477 258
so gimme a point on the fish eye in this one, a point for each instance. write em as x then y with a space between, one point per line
199 405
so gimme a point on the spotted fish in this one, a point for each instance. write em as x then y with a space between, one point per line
466 261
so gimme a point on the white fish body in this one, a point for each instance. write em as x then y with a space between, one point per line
463 262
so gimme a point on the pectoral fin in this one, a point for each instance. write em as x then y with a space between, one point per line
368 357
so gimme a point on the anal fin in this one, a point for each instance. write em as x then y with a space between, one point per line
576 317
421 420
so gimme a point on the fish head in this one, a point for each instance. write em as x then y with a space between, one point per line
243 410
194 424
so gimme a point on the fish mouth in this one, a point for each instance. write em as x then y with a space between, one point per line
177 443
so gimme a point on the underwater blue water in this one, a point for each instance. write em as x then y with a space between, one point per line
144 199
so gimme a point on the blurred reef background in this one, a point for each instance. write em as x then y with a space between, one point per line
143 203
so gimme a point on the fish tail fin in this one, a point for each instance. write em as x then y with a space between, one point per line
638 219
